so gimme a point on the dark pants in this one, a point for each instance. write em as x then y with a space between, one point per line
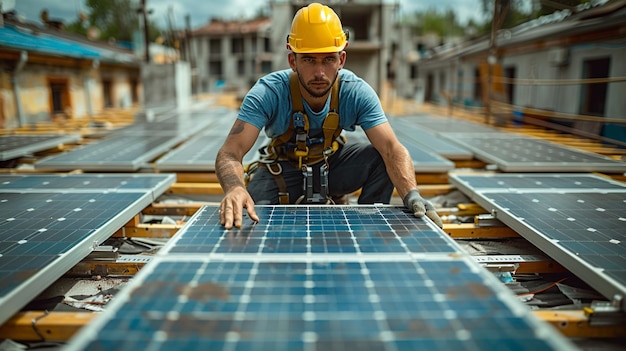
352 167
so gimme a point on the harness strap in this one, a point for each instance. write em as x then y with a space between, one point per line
299 125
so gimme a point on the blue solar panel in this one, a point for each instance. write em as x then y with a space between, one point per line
259 295
42 235
535 182
312 230
199 154
444 125
239 304
85 182
13 146
429 140
49 222
116 153
515 153
578 220
424 160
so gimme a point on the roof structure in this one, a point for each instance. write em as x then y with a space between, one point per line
220 27
47 42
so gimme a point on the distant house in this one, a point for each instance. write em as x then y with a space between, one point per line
47 73
542 63
234 54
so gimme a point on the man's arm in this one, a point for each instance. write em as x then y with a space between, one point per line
229 171
400 169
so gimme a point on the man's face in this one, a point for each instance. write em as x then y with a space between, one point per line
317 72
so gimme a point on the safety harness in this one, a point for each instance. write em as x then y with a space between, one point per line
297 147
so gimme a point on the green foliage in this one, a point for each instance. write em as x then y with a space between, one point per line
115 19
444 24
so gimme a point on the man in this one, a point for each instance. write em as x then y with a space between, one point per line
303 110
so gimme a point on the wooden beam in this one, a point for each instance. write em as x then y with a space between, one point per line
148 231
196 177
44 326
574 324
195 189
103 268
471 231
159 209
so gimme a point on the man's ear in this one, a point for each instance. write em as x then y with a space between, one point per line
342 59
291 57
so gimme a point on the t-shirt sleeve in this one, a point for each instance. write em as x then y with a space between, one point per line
369 110
257 105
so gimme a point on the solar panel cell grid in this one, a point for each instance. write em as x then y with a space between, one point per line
522 154
37 228
543 182
312 229
578 220
331 305
588 225
84 182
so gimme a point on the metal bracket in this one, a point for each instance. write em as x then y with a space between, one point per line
606 312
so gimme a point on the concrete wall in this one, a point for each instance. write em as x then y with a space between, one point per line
84 87
166 85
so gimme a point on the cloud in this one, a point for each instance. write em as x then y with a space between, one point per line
201 11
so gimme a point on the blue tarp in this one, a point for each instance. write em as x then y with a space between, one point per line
30 40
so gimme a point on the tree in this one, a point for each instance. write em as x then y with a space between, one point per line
519 11
114 19
444 24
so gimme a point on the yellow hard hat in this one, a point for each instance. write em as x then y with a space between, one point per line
316 28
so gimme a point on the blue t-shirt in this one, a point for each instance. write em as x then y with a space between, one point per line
268 105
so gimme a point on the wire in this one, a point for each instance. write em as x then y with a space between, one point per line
34 324
550 286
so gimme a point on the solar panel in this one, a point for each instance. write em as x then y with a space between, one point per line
520 182
76 183
44 234
13 146
424 160
116 153
450 125
199 154
49 222
582 229
313 230
429 140
289 299
181 124
513 153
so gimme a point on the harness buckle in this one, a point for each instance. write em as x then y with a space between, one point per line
298 120
301 153
276 172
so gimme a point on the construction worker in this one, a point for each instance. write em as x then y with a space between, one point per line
303 110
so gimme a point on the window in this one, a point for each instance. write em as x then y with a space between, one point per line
241 68
107 87
215 68
593 96
59 95
215 46
266 66
237 45
267 45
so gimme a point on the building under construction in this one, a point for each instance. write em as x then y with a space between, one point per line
109 225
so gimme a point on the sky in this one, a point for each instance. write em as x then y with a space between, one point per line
200 11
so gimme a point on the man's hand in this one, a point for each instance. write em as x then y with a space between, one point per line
232 205
420 207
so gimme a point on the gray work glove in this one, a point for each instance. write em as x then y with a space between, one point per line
420 207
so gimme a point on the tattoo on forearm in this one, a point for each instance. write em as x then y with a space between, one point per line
237 128
227 172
